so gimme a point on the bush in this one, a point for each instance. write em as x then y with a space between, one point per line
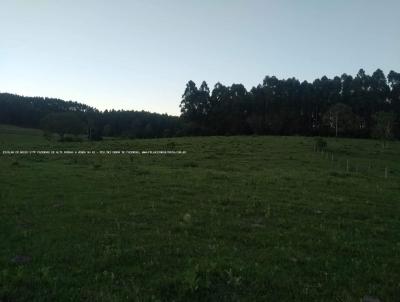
320 144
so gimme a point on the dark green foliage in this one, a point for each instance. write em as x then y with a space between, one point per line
384 126
71 117
29 111
340 120
342 106
63 123
139 124
320 144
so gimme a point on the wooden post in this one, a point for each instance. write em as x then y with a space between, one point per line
386 172
347 166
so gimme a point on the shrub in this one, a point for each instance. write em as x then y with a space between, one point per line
320 144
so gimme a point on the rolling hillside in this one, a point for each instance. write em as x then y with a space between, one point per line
253 218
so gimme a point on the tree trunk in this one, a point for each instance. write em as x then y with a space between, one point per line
336 126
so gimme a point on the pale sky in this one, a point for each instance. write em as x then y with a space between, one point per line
134 55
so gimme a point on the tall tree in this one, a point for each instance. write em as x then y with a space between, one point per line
384 125
340 118
63 123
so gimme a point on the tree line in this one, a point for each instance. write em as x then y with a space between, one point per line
361 106
72 118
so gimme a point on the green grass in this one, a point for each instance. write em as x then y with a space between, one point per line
12 135
269 220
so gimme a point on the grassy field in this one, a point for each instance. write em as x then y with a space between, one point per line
233 219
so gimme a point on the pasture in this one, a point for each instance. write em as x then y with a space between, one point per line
234 219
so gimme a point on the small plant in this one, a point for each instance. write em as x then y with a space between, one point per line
187 218
96 166
15 163
190 164
320 144
171 145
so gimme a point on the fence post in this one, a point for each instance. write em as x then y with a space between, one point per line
386 172
347 166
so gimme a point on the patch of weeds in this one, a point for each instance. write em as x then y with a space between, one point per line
96 166
171 145
210 284
15 163
339 174
217 176
224 201
139 171
320 144
71 161
287 178
211 156
190 164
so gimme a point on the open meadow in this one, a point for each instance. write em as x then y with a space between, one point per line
256 218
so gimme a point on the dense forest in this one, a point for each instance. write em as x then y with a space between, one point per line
57 116
361 106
